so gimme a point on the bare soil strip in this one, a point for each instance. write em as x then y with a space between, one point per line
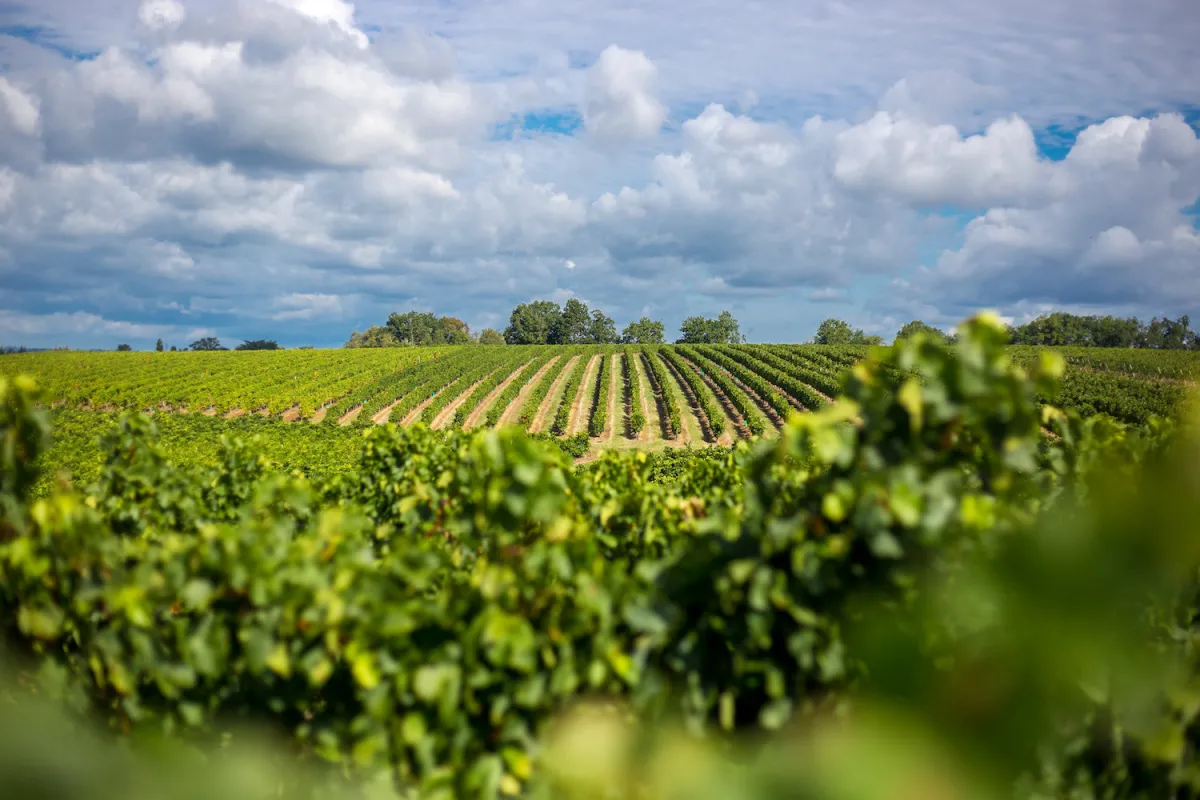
381 416
319 415
659 403
584 397
735 419
234 413
509 417
415 414
552 397
473 418
693 404
291 415
446 414
351 415
651 430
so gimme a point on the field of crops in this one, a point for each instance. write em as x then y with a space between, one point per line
628 396
937 587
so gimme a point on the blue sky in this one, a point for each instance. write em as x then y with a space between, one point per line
297 169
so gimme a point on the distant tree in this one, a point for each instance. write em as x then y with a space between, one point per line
451 330
532 323
124 348
917 326
602 329
174 349
490 336
836 331
305 347
158 346
374 336
207 343
258 344
572 324
644 331
701 330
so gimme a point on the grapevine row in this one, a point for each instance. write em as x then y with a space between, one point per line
704 395
510 393
658 380
562 416
600 407
719 374
637 419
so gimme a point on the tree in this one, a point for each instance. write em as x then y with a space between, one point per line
258 344
917 326
701 330
451 330
124 348
644 331
414 328
602 329
836 331
207 343
158 346
174 349
532 323
374 336
490 336
572 324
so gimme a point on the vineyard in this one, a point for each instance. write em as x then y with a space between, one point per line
924 571
591 398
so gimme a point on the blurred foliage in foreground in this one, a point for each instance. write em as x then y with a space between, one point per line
944 590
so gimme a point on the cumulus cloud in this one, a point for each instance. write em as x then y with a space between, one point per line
621 105
260 165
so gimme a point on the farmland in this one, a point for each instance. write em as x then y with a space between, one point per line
418 604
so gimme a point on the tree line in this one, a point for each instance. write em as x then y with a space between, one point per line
543 322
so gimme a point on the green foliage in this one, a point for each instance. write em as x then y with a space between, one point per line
910 329
701 330
571 388
836 331
637 418
657 375
207 343
490 336
532 323
599 418
986 608
707 401
1073 330
124 348
644 331
158 346
259 344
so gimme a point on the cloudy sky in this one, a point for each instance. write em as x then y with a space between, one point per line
296 169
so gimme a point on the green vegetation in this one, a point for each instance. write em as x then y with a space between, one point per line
913 592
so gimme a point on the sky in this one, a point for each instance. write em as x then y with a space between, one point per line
298 169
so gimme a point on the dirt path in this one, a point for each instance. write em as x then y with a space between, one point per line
444 416
351 415
291 415
234 413
693 425
658 399
509 417
651 431
415 414
382 415
551 399
473 418
584 398
318 415
733 417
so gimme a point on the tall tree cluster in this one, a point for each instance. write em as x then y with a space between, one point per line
413 328
702 330
545 322
1073 330
837 331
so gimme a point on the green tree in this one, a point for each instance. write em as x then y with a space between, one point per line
644 331
701 330
572 324
917 326
602 329
174 349
158 346
836 331
532 323
452 330
258 344
490 336
207 343
124 348
374 336
420 328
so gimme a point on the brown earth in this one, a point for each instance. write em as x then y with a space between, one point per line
381 416
582 406
444 416
319 415
539 420
509 417
234 413
415 413
734 418
480 410
291 415
350 416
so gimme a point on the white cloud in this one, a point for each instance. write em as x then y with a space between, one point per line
307 306
621 105
337 13
160 15
18 109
